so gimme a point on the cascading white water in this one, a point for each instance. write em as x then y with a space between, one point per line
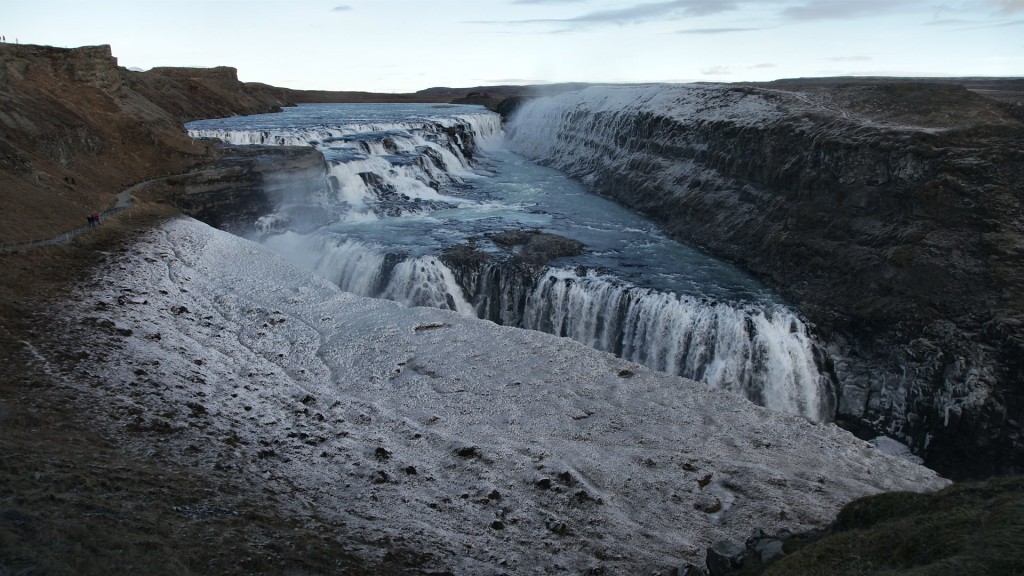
685 314
425 281
350 264
363 270
596 130
762 352
412 159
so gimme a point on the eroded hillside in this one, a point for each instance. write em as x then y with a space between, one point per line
77 129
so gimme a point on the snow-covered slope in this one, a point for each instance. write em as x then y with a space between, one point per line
493 449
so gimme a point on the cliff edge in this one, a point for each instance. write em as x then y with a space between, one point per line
77 129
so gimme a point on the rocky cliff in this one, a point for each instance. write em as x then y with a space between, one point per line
890 212
77 129
248 183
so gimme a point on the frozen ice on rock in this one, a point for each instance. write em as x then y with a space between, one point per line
462 437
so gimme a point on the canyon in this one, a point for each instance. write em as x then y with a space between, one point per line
887 211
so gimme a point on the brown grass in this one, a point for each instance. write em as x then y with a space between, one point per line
72 502
972 528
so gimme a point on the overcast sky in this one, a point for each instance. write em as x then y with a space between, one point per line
407 45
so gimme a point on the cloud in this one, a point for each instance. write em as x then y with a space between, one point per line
788 10
1008 6
839 10
656 10
341 8
764 65
975 24
715 71
951 22
716 30
999 25
849 59
672 10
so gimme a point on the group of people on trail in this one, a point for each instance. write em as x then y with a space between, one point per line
94 219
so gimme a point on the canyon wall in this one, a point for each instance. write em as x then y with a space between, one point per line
77 129
889 212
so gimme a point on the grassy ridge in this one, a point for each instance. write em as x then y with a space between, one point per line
974 528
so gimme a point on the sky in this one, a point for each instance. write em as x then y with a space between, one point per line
408 45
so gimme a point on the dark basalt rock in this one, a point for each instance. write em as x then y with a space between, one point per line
249 182
535 247
497 276
724 558
891 214
508 106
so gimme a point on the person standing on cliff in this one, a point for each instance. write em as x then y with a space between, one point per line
96 218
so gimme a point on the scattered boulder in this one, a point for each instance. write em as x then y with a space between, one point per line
724 557
727 558
469 452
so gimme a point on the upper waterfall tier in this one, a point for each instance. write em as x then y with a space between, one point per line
383 159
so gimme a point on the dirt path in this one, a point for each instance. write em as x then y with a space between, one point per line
124 201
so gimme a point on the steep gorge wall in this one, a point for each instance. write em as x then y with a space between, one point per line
891 214
76 129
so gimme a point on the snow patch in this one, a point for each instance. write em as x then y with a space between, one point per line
494 449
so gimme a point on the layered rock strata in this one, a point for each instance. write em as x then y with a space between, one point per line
248 183
77 129
890 212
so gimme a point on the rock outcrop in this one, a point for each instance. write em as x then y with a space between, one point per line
499 274
77 129
889 211
248 183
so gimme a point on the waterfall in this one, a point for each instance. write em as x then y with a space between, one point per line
362 269
403 188
425 281
623 129
379 168
760 351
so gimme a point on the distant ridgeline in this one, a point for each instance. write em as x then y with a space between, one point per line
889 211
216 73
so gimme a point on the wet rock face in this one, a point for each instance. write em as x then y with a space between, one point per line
500 271
896 229
250 182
